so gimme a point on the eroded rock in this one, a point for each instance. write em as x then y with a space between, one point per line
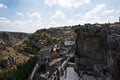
98 50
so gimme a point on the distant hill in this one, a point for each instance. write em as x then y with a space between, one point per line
46 37
51 36
7 42
10 38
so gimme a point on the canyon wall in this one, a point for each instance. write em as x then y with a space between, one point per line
98 50
8 39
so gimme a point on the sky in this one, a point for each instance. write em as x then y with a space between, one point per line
31 15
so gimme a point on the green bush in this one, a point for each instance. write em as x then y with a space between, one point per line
23 71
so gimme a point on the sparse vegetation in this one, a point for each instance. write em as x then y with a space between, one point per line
23 71
30 45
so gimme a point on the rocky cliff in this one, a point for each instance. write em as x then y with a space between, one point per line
47 37
98 50
8 39
10 58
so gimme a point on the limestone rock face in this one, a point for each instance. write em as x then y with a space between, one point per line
113 42
4 63
2 45
98 49
8 39
11 38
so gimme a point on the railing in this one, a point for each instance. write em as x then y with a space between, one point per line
33 72
36 67
55 72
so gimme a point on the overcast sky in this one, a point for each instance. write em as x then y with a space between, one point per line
30 15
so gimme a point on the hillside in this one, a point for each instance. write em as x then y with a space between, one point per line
8 39
16 48
46 37
9 57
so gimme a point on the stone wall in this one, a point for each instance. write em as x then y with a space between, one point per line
98 50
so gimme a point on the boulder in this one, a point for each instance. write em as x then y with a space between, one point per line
2 45
4 63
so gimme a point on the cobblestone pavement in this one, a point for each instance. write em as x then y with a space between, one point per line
72 75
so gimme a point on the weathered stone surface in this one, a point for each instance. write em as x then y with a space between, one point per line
113 42
4 63
98 49
12 59
2 45
11 38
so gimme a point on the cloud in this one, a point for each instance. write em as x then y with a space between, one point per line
4 21
58 14
108 11
2 6
74 22
95 12
117 11
34 16
67 3
56 19
79 14
54 23
20 14
30 23
99 14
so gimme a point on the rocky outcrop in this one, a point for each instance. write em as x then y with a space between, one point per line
8 39
48 37
2 46
98 50
113 55
7 42
5 63
11 38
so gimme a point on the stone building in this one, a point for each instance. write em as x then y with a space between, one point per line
98 50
